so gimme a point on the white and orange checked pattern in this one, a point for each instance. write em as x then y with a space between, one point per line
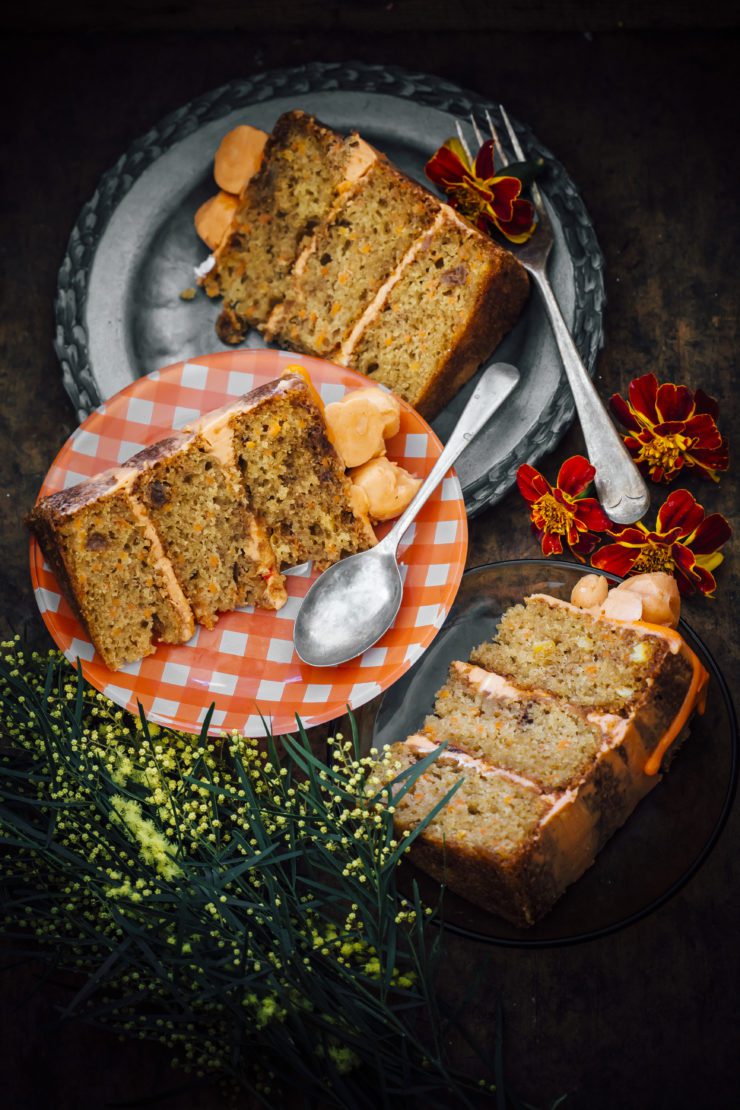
247 665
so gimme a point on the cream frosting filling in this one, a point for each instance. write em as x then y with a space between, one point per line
376 304
163 567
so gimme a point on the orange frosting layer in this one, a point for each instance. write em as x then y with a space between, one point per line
695 699
695 695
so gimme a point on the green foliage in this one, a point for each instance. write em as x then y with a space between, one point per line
234 900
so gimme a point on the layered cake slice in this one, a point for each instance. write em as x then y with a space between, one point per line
334 252
109 560
553 754
295 479
218 549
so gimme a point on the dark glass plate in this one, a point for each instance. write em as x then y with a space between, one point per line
663 843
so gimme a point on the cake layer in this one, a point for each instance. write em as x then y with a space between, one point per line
350 258
109 560
219 551
542 738
551 645
296 481
303 166
449 309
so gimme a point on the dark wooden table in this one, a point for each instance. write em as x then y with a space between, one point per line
644 122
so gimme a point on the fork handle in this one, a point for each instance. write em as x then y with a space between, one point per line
619 485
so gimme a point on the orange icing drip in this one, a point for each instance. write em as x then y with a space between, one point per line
303 373
696 697
294 368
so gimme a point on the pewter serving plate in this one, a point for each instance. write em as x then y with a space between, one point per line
119 313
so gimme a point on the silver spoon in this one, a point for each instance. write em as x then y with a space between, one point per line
354 602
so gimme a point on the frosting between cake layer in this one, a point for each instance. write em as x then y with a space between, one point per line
376 304
162 565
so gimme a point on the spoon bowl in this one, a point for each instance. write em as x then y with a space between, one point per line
358 601
354 602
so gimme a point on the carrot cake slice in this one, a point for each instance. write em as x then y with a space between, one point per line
334 252
555 731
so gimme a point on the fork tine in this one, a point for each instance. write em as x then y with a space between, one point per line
516 146
477 131
501 158
463 140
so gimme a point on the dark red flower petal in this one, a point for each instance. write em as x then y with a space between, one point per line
522 216
712 533
590 513
673 402
710 458
681 511
586 543
702 427
445 168
689 575
628 534
532 485
575 475
616 559
624 413
483 166
505 192
642 394
551 544
704 403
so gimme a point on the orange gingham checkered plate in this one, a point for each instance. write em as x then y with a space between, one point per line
247 664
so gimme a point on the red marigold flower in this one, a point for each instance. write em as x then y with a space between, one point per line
684 543
482 197
558 511
671 426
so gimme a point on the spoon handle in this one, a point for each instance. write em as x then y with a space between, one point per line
494 387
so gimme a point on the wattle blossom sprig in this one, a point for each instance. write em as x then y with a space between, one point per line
487 199
671 427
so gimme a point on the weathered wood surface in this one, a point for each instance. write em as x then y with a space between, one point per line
645 124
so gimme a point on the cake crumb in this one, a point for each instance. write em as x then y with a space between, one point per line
188 294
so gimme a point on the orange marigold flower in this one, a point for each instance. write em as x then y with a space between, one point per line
558 512
684 543
671 426
478 193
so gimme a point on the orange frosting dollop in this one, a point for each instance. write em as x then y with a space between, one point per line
387 487
652 598
361 422
238 157
213 218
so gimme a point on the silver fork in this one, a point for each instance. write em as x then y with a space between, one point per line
620 487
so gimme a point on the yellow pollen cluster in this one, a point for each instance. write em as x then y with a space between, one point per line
551 516
664 451
654 558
